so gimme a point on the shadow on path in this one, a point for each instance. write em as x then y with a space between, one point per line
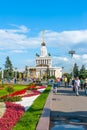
69 92
59 118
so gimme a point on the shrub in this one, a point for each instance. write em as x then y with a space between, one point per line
1 86
31 84
10 99
10 89
32 88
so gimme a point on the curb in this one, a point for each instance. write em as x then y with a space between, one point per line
44 121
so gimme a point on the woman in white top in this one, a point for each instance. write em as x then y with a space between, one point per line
77 85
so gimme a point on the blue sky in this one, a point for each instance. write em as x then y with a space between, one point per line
65 25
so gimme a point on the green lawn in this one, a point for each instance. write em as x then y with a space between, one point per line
31 117
16 88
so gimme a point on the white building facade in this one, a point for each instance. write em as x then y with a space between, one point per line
43 65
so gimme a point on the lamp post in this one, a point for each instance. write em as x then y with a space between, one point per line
62 70
15 73
72 52
40 74
26 71
2 75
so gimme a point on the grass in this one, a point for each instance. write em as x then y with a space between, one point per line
31 117
16 88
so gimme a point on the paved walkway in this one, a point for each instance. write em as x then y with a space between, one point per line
65 104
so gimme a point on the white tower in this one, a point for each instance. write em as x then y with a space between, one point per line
44 60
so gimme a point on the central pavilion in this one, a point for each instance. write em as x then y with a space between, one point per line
43 63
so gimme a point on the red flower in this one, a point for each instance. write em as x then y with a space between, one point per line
11 116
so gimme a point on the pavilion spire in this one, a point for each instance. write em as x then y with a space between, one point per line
43 43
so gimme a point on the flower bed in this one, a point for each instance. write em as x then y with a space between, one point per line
32 93
18 92
11 116
14 111
32 87
15 93
23 91
1 88
40 87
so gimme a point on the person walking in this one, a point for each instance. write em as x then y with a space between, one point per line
85 86
77 85
55 86
81 83
65 81
73 84
58 81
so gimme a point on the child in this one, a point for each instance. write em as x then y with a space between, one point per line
55 86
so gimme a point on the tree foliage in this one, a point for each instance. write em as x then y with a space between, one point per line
75 70
48 73
8 72
83 72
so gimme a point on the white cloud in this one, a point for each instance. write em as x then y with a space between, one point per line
76 56
80 57
24 29
60 58
67 62
19 38
12 39
21 29
60 61
18 51
30 62
67 37
84 56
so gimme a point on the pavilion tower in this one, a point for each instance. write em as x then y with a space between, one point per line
43 63
44 59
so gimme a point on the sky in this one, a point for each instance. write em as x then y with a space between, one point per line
65 25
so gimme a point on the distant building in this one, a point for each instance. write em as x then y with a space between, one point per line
43 65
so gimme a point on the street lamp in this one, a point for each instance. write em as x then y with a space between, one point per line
62 70
26 71
2 75
15 73
72 52
40 74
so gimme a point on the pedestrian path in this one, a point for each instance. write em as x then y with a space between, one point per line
66 103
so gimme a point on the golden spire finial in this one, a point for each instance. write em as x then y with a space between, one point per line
43 36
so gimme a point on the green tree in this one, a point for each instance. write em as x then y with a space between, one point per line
75 70
83 72
69 76
48 73
8 72
83 69
0 74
